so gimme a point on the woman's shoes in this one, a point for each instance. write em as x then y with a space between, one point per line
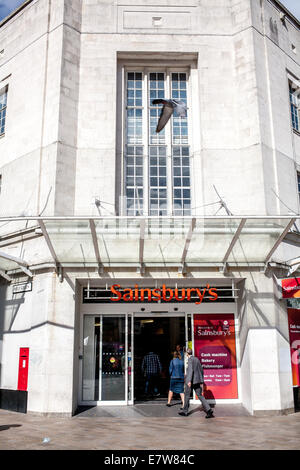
168 404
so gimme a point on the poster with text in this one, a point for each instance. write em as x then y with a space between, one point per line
214 342
294 332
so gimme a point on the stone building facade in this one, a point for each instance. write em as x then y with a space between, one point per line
77 79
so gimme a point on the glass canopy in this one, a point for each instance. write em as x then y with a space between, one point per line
156 241
166 241
10 263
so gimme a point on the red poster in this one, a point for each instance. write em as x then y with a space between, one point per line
214 342
290 287
294 332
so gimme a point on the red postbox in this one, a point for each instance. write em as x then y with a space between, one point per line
23 369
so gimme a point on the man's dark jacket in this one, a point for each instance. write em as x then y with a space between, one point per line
194 371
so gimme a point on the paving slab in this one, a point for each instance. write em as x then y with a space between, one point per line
154 428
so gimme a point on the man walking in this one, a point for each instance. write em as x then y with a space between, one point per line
193 381
151 368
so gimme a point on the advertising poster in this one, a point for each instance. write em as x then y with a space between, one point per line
214 343
294 332
290 288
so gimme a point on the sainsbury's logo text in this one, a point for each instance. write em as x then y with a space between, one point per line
167 294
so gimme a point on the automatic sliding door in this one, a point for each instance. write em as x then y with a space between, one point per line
113 365
91 347
104 371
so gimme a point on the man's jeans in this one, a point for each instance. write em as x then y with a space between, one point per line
151 384
198 391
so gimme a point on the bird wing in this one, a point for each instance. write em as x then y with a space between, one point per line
181 109
159 101
165 115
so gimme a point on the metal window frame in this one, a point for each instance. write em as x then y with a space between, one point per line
167 70
294 103
4 91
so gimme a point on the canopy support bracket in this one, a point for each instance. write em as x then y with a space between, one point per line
96 246
233 241
187 241
26 271
224 268
280 239
51 249
5 276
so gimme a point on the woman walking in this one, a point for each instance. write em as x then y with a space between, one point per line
176 371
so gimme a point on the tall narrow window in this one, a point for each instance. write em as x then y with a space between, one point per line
180 151
157 165
298 179
3 103
134 144
158 203
294 102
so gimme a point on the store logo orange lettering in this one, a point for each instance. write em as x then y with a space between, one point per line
166 294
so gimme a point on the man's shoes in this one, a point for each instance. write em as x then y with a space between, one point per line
182 413
209 414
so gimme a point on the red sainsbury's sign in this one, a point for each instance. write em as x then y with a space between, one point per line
290 287
164 293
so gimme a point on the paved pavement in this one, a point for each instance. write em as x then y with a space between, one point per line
150 426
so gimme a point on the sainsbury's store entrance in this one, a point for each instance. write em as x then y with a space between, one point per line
159 335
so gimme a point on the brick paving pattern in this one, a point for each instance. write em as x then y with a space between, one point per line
146 427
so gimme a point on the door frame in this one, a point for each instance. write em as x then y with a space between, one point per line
164 314
188 310
82 402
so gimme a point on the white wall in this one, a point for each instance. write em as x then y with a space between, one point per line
42 320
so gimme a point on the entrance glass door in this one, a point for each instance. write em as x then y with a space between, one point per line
106 342
113 351
113 366
159 335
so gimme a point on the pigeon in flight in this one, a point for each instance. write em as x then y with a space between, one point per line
168 108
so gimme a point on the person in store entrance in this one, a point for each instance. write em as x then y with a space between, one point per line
151 368
180 351
194 380
176 371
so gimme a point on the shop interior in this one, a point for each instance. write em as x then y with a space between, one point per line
159 335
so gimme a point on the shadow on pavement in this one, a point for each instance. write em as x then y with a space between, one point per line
6 427
82 409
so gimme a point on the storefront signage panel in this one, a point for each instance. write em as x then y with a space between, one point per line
294 333
290 288
158 294
166 294
22 287
214 345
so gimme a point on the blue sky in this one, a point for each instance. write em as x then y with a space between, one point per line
293 6
6 6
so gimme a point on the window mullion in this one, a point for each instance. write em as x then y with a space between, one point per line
145 143
3 106
169 151
123 206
